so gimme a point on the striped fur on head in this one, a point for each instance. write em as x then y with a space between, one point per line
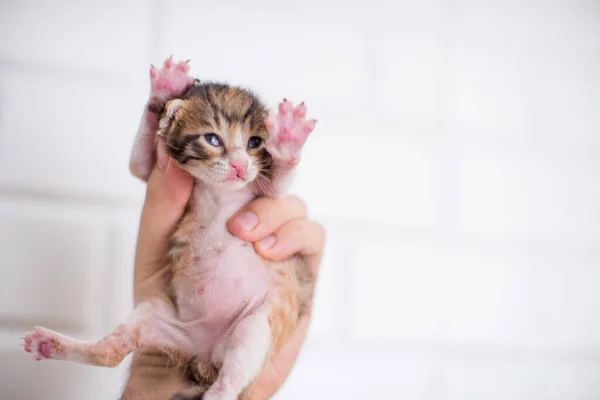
235 116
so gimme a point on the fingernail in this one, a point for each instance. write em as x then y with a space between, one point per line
248 220
266 243
161 155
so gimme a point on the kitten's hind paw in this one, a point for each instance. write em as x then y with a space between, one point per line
171 81
42 343
288 132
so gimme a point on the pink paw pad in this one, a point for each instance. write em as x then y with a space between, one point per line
41 343
171 80
288 131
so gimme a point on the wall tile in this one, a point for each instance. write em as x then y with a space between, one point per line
52 254
505 192
425 290
100 36
329 303
338 178
519 380
71 137
124 227
528 301
275 55
536 81
330 373
57 380
411 44
396 292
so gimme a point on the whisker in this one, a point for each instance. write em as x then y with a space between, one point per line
260 186
267 172
265 185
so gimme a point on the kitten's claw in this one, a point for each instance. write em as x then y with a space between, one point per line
41 343
153 72
170 81
183 66
288 131
300 111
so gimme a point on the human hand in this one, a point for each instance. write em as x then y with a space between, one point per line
279 229
280 223
153 376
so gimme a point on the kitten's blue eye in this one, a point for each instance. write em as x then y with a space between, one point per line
254 142
213 139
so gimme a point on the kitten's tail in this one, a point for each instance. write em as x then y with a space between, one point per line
201 376
306 287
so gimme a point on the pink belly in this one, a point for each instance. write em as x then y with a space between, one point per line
228 286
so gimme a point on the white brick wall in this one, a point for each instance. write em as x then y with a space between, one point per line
454 166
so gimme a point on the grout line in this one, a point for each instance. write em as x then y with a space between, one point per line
346 267
448 173
373 59
24 324
450 352
550 247
18 193
444 351
157 8
510 143
449 150
448 179
531 245
95 76
109 306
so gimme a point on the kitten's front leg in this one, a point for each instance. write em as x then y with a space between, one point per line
166 84
150 325
288 131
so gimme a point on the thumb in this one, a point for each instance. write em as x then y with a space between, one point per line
167 193
168 189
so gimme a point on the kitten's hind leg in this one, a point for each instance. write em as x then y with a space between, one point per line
151 324
243 355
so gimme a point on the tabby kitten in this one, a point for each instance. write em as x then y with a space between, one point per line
228 310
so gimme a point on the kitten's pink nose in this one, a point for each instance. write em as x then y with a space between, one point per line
240 166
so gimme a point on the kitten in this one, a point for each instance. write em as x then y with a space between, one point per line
228 310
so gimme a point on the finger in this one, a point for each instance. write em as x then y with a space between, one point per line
263 216
277 370
168 191
298 236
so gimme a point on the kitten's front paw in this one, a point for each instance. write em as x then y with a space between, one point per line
288 132
169 82
42 343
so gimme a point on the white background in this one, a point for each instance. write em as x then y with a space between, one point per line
455 167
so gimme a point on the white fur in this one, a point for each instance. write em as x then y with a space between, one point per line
239 140
218 174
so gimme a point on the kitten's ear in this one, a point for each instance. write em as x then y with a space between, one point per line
169 115
143 153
